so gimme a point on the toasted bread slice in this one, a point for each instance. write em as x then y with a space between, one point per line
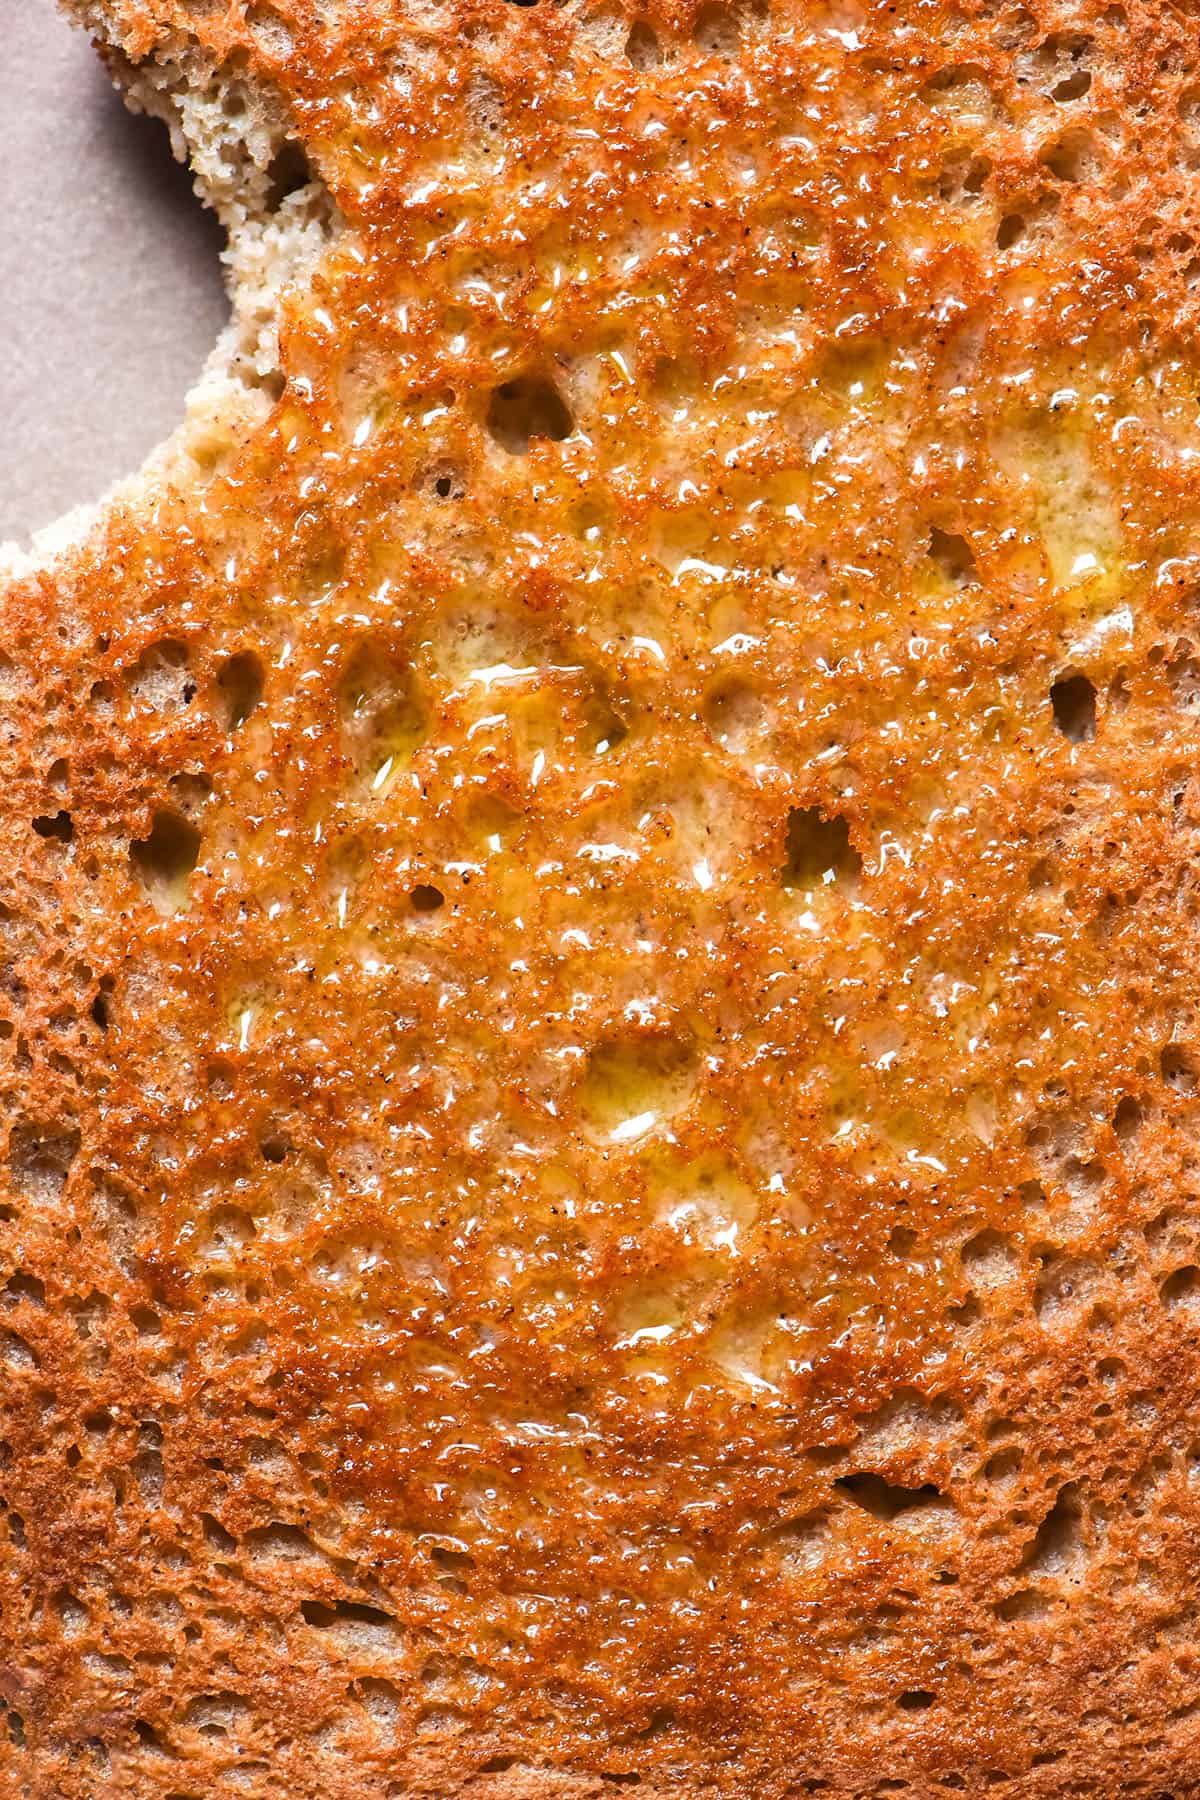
598 878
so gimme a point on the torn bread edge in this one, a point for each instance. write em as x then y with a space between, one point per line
279 220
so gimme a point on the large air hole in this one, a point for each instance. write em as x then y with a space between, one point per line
1058 1546
113 295
717 31
952 556
1073 699
1182 1289
1073 158
642 46
290 171
241 683
318 1614
916 1700
164 860
384 717
426 899
1177 1068
55 825
884 1499
632 1085
818 850
527 408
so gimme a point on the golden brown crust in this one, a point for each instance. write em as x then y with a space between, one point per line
600 925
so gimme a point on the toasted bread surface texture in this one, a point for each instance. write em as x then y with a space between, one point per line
598 898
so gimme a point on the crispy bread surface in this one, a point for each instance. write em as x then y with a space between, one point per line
598 1013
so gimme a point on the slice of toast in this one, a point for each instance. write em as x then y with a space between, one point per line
599 915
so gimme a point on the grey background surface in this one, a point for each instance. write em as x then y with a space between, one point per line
111 293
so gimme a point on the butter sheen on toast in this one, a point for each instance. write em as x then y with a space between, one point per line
597 885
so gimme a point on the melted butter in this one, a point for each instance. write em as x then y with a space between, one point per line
631 932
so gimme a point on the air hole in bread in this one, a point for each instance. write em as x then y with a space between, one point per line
71 1611
525 409
272 32
632 1085
443 482
818 850
1182 1289
16 1352
290 171
1003 1466
1177 1069
642 46
1010 230
603 727
191 788
733 712
216 1535
1073 158
1059 65
164 860
352 1625
1066 1289
1073 700
160 677
959 86
451 1560
885 1499
26 1287
988 1259
316 1613
147 1468
58 826
952 555
1026 1604
383 1703
241 683
40 1158
1072 87
383 715
1034 218
802 1544
915 1700
1058 1545
1127 1117
717 31
425 898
